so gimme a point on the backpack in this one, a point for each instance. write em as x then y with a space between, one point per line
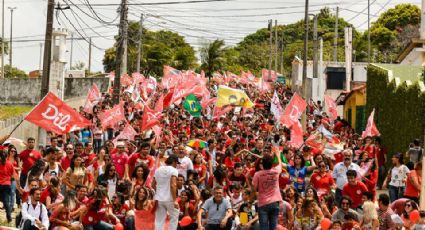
19 222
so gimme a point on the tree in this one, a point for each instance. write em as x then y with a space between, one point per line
79 66
159 48
213 57
14 72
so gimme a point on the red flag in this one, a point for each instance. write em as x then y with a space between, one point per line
331 106
296 135
171 77
220 111
315 140
265 75
94 93
92 97
157 131
150 118
137 78
168 97
371 129
207 101
128 133
112 116
159 106
293 111
126 80
264 86
54 115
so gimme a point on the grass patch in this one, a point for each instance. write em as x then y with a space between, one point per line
12 111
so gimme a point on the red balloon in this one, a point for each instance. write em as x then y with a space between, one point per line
119 226
414 216
325 224
186 221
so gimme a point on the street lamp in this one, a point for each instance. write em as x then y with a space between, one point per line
11 34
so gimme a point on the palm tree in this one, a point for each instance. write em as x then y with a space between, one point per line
213 56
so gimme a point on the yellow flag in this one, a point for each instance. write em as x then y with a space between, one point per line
235 97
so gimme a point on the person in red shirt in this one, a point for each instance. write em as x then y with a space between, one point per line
354 189
98 212
369 147
141 157
322 180
120 160
413 183
371 178
66 160
7 172
28 157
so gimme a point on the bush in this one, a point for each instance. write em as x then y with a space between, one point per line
399 110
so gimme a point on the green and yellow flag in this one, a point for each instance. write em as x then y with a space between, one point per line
192 105
235 97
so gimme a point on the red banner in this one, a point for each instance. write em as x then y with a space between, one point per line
296 135
331 107
54 115
112 116
171 77
150 118
128 133
293 111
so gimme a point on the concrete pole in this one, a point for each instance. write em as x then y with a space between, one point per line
336 36
276 46
320 74
305 94
271 47
11 36
2 40
90 45
72 50
121 55
140 44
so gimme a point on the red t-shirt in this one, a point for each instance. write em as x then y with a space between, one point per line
65 163
120 162
355 192
137 158
92 216
322 182
411 191
200 169
28 158
6 173
230 162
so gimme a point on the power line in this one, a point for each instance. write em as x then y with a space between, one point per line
161 3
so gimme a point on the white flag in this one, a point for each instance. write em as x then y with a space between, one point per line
275 107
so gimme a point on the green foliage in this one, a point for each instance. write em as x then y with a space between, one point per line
399 110
399 17
213 57
14 72
159 48
13 111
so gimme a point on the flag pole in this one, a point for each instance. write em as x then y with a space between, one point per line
17 125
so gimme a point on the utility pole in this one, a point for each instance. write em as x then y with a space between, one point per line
271 47
336 36
72 50
315 48
90 45
368 31
11 36
348 31
140 44
276 46
281 53
120 57
41 54
47 49
304 86
320 76
2 39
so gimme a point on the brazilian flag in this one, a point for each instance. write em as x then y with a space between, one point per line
192 105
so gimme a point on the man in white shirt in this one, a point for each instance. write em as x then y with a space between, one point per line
339 173
165 185
34 213
185 163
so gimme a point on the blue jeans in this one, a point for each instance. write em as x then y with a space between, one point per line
5 193
395 193
268 215
99 226
13 194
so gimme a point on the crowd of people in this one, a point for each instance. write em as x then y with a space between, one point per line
241 173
